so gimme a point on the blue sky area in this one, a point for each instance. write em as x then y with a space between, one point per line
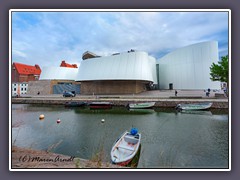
47 38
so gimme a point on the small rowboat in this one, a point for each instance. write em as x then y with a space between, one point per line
100 105
141 105
194 106
75 104
126 147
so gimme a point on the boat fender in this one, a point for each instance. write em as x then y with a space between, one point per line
58 120
134 131
41 117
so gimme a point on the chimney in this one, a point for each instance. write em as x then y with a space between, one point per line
63 64
75 66
37 66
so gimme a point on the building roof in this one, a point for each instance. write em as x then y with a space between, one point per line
89 55
123 66
188 67
59 73
64 64
25 69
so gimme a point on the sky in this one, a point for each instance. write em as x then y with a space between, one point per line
47 38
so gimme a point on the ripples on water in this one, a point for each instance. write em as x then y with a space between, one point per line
170 139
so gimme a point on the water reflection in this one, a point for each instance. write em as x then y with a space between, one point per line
114 110
206 113
142 111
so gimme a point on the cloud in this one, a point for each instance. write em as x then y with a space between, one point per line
19 54
46 38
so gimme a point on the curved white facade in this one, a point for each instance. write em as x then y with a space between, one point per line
184 68
189 67
58 73
124 66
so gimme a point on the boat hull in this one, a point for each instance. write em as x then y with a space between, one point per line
131 162
100 105
125 149
125 163
75 104
194 107
141 105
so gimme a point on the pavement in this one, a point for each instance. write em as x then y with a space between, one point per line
154 94
187 93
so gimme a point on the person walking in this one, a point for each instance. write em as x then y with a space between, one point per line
176 92
225 91
208 92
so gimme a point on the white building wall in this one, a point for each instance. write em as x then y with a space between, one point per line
58 73
19 88
125 66
14 88
189 67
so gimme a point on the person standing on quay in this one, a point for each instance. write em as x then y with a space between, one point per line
176 92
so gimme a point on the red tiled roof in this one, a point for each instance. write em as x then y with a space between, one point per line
27 69
64 64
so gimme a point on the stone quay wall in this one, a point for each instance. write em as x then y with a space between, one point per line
166 103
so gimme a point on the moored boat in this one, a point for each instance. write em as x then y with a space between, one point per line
194 106
144 105
100 105
75 104
126 147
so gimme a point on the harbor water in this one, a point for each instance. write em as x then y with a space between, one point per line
170 139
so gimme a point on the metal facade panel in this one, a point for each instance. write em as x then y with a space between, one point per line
189 67
125 66
61 73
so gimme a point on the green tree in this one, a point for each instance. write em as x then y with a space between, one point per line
219 72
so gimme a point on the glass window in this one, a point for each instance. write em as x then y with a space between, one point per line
14 89
25 89
21 89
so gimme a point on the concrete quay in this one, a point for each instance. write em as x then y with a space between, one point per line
165 99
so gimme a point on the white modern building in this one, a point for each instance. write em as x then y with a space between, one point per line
136 71
120 73
188 67
56 80
59 73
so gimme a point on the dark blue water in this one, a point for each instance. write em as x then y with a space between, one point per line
169 139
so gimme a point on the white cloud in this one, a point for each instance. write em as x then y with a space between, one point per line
19 54
48 38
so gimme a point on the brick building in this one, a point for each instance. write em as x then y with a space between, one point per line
25 73
64 64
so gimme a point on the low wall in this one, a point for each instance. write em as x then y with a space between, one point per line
120 102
